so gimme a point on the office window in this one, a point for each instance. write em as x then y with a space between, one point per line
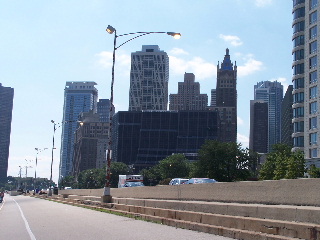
298 83
313 77
298 142
313 92
313 138
312 3
298 41
313 62
313 123
298 126
313 153
298 55
313 32
313 47
313 17
298 112
298 27
313 107
298 97
298 69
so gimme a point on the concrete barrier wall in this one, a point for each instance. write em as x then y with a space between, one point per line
305 192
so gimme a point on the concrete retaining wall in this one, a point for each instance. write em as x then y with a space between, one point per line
305 192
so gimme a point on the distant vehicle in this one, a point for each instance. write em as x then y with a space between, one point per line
200 180
177 181
133 184
123 179
67 188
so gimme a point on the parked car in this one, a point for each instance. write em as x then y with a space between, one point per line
200 180
133 184
177 181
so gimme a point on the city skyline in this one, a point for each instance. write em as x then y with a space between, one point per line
48 44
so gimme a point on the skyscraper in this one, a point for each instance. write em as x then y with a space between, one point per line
188 96
91 140
149 79
6 104
103 109
271 93
258 140
78 97
286 117
305 82
226 99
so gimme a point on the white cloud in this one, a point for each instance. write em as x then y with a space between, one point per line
233 40
197 65
122 63
244 140
262 3
178 51
250 66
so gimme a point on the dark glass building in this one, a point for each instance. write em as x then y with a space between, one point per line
6 104
144 138
286 118
258 140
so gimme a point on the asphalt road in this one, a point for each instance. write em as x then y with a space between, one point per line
24 218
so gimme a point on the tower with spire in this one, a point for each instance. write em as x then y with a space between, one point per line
226 99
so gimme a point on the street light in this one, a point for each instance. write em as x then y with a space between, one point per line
55 127
35 170
112 30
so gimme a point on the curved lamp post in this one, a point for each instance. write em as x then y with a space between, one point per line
35 170
112 30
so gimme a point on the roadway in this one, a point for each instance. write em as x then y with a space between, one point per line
25 218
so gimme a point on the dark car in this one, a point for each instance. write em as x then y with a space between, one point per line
200 180
133 184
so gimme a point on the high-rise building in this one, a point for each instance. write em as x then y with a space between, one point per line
305 82
143 138
226 99
271 93
78 97
91 140
286 117
6 104
258 139
149 78
103 109
213 101
188 96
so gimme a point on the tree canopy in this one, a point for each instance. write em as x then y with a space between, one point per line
283 163
225 162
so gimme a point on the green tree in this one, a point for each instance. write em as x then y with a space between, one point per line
91 178
283 163
224 161
314 172
151 176
117 168
174 166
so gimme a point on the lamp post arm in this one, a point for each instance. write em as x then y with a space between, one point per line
141 34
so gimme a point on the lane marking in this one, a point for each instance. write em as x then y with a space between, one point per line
2 204
32 237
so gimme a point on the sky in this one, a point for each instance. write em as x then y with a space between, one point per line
44 44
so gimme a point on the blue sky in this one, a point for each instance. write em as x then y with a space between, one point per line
46 43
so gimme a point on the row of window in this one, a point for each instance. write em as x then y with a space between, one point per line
299 126
296 2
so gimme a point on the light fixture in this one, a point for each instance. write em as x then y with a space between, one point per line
110 29
174 35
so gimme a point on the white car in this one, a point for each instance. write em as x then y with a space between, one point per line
178 181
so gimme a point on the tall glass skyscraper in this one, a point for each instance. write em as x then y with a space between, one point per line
305 82
149 79
271 93
6 103
78 97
